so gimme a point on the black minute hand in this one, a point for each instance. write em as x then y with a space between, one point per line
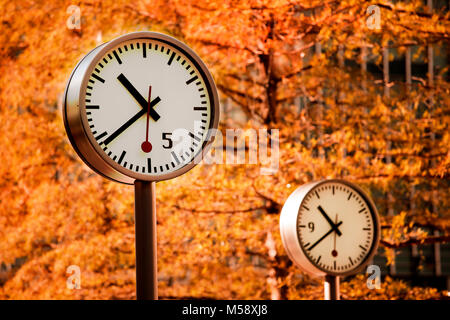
125 126
139 98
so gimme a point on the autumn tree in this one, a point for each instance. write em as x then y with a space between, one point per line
293 66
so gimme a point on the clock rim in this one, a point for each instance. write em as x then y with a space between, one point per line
107 167
290 236
74 129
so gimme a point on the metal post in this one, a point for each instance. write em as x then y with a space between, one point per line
437 257
331 288
390 198
145 226
318 51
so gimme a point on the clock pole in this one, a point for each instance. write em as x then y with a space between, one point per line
146 251
331 287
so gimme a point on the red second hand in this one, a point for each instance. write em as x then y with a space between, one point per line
334 253
146 145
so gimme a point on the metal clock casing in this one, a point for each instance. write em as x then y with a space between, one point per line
77 125
290 233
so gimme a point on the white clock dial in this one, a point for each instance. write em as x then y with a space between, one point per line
335 227
329 227
172 133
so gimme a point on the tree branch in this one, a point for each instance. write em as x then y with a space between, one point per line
295 73
234 76
220 211
390 7
397 176
421 225
412 241
402 154
225 46
274 206
229 91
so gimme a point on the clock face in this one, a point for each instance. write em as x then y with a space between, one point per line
147 107
336 227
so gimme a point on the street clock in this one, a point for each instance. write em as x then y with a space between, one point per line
140 107
330 227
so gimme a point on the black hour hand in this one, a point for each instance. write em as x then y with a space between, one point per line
139 98
334 227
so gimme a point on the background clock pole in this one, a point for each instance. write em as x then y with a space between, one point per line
331 287
145 226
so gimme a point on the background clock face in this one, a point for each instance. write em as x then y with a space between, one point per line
335 227
154 141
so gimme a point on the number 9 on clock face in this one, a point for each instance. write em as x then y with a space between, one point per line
330 227
141 107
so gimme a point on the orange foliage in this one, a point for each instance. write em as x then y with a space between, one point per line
214 222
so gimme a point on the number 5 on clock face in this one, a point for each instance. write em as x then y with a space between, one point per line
138 94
